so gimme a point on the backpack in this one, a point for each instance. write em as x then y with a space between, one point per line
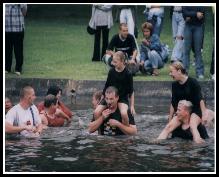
165 51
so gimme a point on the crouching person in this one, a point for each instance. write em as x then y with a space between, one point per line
24 117
110 121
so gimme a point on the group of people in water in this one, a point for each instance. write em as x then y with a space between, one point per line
114 107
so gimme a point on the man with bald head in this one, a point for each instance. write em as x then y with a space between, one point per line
24 117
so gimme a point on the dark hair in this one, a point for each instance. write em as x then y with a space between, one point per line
147 25
112 89
122 25
54 90
49 100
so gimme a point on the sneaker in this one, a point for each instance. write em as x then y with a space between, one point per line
17 73
201 77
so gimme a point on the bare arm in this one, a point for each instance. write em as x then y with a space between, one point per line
16 129
134 55
172 125
128 130
59 112
110 52
93 126
171 113
132 103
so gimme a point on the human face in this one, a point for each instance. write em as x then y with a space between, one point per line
54 107
8 103
175 74
147 33
181 112
111 100
31 96
117 62
124 32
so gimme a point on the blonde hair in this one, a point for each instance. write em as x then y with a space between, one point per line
187 104
179 66
120 55
97 95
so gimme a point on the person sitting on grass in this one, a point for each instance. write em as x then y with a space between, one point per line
124 42
122 79
50 114
150 57
180 125
65 112
110 120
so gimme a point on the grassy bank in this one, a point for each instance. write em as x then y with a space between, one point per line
57 44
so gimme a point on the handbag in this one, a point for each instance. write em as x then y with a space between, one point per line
91 30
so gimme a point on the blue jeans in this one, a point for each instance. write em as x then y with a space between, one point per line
178 25
154 61
193 34
156 18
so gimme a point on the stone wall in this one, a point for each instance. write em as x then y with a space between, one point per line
147 93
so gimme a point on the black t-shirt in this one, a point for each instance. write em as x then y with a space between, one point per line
126 46
186 134
123 81
190 91
106 129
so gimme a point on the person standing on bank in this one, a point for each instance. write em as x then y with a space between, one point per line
102 22
14 35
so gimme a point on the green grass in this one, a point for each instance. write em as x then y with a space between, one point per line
57 44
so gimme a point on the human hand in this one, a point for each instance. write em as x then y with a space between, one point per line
188 18
132 108
29 128
113 122
146 42
200 15
106 113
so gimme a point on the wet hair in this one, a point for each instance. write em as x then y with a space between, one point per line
112 89
49 100
122 25
25 91
187 104
179 66
120 55
97 95
54 90
147 25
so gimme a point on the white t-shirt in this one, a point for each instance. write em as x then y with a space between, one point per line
19 116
